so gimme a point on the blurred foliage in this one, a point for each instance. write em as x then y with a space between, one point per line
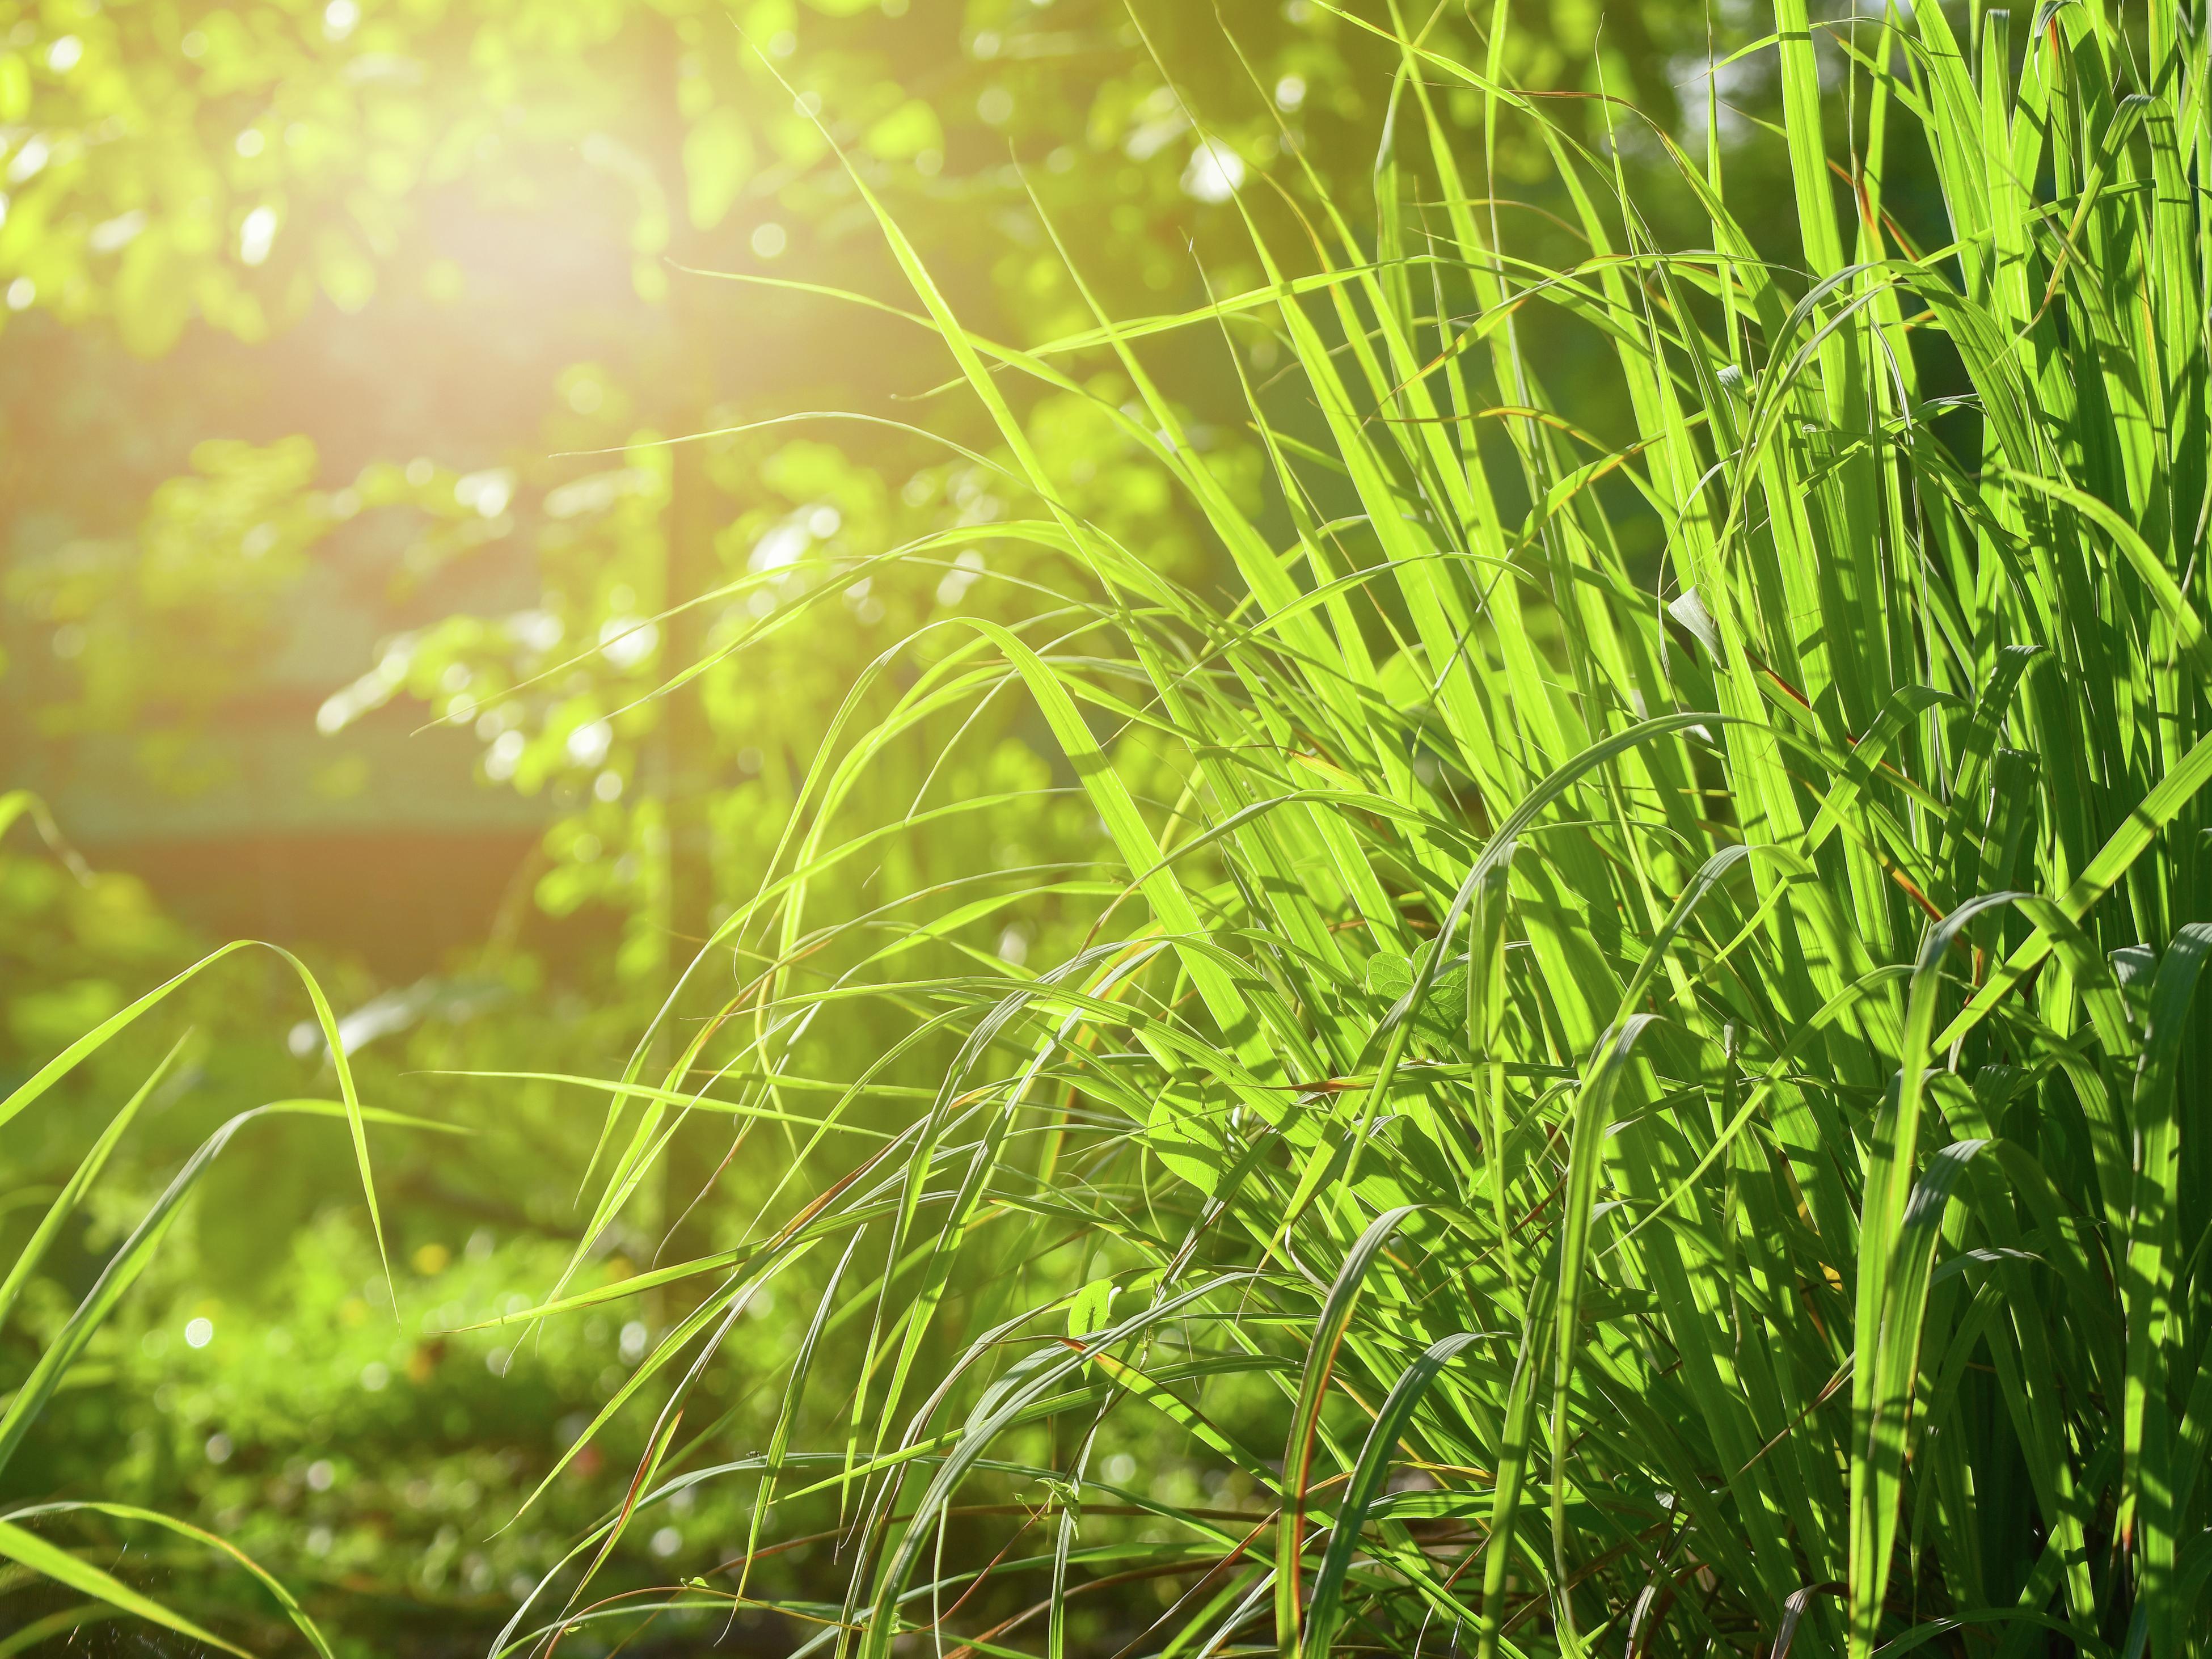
395 309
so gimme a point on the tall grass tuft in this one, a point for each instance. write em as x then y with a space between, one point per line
1627 1104
1640 1105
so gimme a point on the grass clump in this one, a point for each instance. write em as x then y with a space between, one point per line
1664 1093
1630 1103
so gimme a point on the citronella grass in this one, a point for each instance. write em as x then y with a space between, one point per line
1704 1077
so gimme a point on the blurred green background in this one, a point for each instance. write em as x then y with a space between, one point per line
344 578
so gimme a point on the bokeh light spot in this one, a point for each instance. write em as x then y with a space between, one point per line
257 235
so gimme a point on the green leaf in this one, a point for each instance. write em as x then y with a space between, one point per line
34 1551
